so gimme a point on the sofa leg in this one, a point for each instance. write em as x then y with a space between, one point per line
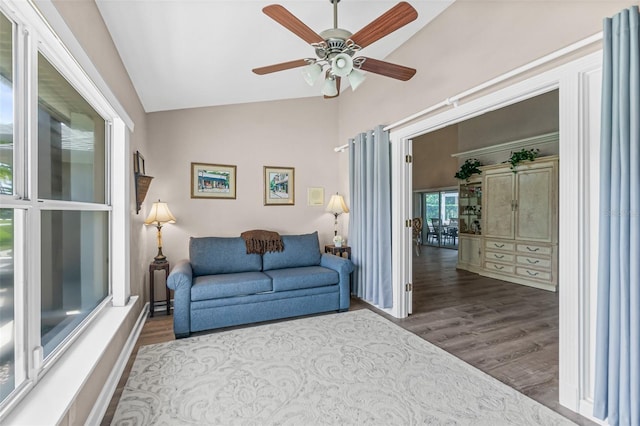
343 310
182 335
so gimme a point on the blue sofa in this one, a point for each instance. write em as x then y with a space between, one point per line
220 285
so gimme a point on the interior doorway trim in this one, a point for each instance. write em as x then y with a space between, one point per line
577 151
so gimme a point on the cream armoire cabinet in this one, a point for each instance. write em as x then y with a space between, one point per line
520 223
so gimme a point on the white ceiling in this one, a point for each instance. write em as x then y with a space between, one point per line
194 53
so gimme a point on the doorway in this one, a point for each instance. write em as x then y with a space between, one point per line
579 147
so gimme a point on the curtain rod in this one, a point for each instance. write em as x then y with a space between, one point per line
453 100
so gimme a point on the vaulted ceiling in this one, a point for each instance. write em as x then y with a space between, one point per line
195 53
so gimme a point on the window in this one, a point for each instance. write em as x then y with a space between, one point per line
56 213
7 230
6 106
440 214
73 244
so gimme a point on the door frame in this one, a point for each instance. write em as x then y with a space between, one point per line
578 148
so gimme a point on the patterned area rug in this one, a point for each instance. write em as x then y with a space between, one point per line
352 368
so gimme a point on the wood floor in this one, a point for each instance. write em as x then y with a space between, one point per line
507 330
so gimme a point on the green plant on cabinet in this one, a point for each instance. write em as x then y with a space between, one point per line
468 169
518 157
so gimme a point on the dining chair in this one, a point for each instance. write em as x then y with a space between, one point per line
437 228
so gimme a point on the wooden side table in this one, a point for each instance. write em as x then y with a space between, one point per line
344 251
153 267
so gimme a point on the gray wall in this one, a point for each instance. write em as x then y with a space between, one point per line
533 117
249 136
433 165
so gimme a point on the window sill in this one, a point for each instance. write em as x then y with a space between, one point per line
51 398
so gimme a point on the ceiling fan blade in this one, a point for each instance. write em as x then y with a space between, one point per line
387 69
280 67
396 17
337 87
285 18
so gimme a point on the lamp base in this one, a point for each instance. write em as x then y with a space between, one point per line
160 257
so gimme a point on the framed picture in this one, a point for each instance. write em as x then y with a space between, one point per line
315 196
138 163
213 181
279 186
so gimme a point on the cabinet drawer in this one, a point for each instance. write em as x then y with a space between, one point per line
499 257
533 249
534 262
496 267
532 273
498 245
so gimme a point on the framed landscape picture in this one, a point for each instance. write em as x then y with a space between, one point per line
213 181
279 185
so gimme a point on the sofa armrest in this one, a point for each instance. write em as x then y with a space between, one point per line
343 267
180 280
181 276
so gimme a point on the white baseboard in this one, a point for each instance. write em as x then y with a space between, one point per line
102 403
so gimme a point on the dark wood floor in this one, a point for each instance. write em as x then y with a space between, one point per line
507 330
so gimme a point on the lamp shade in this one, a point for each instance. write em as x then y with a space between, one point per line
356 77
337 205
159 214
330 88
341 65
311 73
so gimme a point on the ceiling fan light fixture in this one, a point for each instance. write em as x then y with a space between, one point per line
341 65
336 47
311 73
330 88
356 77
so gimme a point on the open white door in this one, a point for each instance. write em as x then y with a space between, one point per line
408 208
401 226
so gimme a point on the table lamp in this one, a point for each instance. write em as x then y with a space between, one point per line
337 207
159 215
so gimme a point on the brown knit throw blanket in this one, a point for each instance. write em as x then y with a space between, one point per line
260 242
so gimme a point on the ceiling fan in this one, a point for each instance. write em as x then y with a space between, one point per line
335 48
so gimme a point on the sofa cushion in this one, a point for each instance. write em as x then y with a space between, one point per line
299 250
305 277
216 255
229 285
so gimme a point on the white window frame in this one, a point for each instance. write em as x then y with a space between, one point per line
35 34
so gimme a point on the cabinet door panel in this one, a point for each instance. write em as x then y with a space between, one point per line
498 212
534 215
469 251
